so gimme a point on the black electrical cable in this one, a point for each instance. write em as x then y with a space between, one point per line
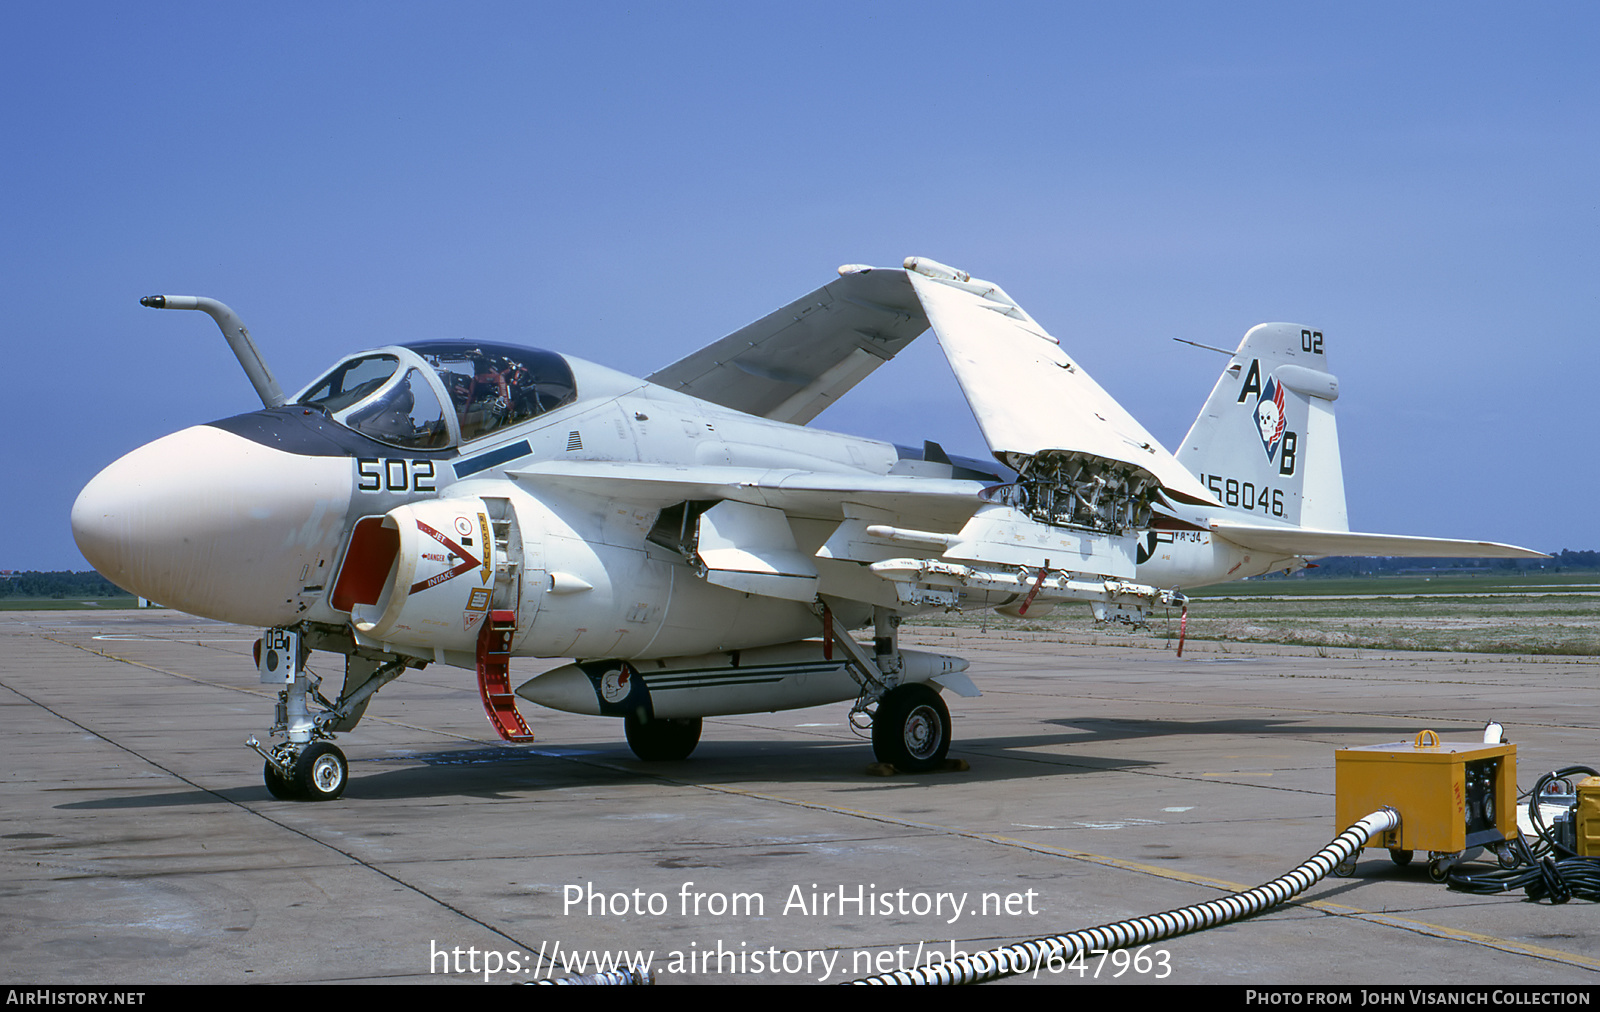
1547 878
1546 842
1553 871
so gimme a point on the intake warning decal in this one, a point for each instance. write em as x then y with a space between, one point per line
468 563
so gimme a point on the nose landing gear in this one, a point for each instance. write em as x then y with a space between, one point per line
317 772
307 766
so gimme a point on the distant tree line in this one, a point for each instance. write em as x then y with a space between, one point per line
1564 561
58 586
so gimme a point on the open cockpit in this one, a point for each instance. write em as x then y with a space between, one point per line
438 394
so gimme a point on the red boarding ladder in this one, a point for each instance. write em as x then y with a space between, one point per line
494 682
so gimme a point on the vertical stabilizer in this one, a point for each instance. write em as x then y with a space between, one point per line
1266 442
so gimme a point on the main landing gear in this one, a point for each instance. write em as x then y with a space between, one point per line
910 723
911 729
661 740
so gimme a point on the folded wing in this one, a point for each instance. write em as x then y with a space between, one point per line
793 363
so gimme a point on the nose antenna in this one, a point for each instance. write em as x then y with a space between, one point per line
238 338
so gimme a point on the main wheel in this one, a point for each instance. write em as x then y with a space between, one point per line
911 730
662 740
278 785
320 772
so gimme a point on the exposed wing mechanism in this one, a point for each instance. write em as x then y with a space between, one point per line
793 363
1030 398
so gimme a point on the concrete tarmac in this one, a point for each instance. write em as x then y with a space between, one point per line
139 846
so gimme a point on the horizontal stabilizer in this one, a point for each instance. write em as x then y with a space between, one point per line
1309 543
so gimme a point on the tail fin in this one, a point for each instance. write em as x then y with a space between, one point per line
1266 441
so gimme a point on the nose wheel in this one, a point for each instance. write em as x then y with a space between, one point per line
321 772
317 772
278 785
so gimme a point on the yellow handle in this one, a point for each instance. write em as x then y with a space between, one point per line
1426 739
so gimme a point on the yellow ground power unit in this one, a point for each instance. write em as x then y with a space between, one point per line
1451 796
1587 817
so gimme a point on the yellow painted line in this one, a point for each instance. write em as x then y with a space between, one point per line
1324 906
161 671
1458 934
266 694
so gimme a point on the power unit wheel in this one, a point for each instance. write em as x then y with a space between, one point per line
911 730
278 785
662 740
320 772
1401 858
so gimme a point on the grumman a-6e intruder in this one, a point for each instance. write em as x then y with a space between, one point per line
686 538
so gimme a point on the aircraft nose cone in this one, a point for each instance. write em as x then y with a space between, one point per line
215 525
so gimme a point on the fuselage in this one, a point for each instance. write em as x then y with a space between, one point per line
253 519
1195 558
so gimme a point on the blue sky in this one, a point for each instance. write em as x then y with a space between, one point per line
629 183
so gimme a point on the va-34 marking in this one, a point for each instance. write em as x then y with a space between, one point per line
687 538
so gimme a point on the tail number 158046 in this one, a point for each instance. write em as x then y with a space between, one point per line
1244 494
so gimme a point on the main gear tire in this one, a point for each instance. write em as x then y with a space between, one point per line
911 729
662 740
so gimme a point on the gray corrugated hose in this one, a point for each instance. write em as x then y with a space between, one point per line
1058 950
605 977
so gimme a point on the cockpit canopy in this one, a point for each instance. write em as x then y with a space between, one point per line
397 395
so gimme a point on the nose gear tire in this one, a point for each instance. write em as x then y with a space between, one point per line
320 772
278 785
